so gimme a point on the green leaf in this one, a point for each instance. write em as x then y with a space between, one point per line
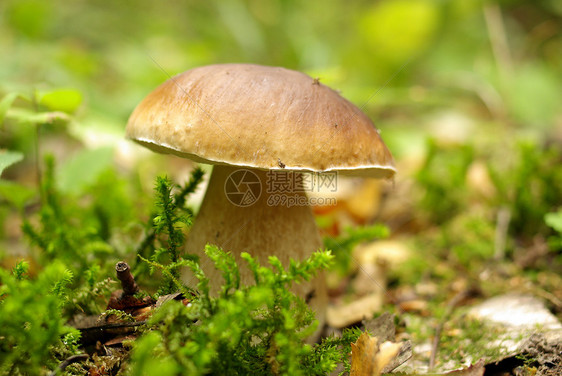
554 220
83 169
8 158
5 104
65 100
533 95
397 30
31 117
14 193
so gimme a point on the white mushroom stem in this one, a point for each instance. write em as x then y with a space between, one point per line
261 228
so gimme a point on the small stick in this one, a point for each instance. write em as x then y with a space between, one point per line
69 361
453 303
504 216
127 280
498 40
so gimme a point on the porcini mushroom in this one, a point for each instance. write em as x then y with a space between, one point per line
258 125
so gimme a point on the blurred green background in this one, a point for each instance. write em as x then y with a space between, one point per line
477 78
467 95
482 60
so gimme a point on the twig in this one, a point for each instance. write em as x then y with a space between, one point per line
128 283
459 297
503 219
117 325
498 40
68 361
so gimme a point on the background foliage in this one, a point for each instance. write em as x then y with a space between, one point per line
466 94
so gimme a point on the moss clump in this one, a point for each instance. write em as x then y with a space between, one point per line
246 330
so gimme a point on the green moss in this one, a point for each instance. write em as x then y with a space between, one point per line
32 330
246 330
465 338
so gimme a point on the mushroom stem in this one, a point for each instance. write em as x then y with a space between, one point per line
279 222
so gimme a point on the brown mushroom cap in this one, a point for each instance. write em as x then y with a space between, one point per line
259 117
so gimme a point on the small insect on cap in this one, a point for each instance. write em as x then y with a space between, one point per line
259 117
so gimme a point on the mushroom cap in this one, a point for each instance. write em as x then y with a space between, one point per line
259 117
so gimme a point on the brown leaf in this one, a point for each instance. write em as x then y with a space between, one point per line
368 358
340 316
476 369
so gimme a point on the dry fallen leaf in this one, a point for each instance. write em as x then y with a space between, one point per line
340 316
364 203
476 369
384 329
392 252
368 358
